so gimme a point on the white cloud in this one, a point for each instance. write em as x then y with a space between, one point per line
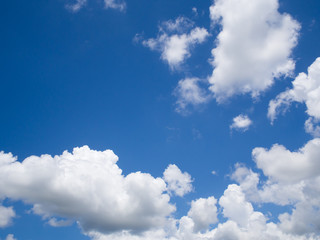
53 222
87 186
311 126
175 40
77 5
282 165
178 183
241 122
305 89
203 212
253 47
10 237
188 93
6 215
114 4
295 176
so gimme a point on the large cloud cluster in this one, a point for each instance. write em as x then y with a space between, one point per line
87 186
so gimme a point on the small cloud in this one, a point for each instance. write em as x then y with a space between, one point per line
53 222
178 183
195 11
10 237
76 6
189 93
175 40
241 122
196 134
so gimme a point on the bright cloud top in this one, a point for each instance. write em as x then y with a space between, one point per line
241 122
188 93
305 89
175 40
253 47
114 4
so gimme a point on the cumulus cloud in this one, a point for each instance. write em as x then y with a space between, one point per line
253 47
241 122
280 164
178 183
293 179
6 216
87 186
175 40
189 93
305 89
203 212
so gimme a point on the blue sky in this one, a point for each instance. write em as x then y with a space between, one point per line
211 106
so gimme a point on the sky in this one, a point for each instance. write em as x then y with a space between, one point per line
160 119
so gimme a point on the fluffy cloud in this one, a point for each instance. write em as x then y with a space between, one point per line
305 89
188 93
175 40
293 178
114 4
241 122
283 165
178 183
89 187
6 215
253 47
203 212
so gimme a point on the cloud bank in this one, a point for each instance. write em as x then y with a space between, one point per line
87 186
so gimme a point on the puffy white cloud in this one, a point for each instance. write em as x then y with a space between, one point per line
89 187
305 89
10 237
203 212
175 40
6 215
178 183
282 165
188 93
241 122
253 47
